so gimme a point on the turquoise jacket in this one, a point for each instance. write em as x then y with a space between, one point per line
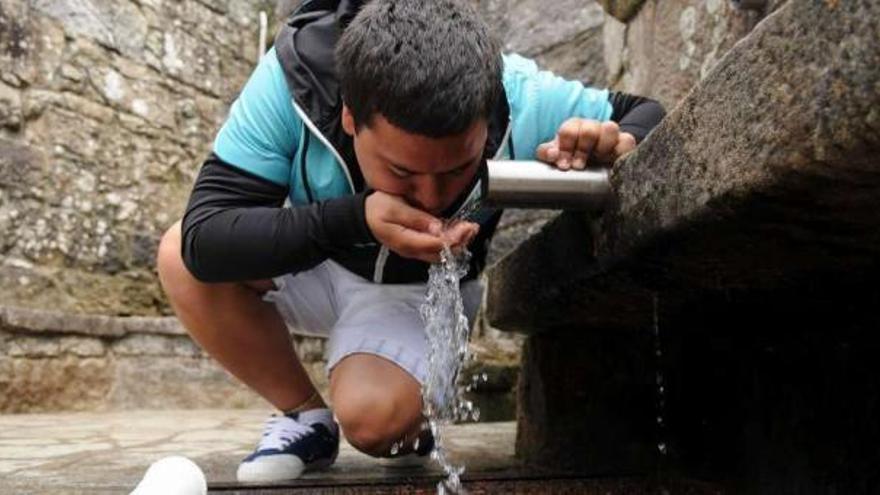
284 128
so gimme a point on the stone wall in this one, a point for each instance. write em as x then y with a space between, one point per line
106 110
58 361
564 36
51 361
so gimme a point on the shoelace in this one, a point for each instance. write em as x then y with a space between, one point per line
281 431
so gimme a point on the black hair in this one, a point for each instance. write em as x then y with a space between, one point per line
429 67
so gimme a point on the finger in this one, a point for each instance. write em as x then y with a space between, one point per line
464 242
588 135
457 250
415 219
458 233
472 235
609 134
417 245
626 142
567 138
472 230
548 152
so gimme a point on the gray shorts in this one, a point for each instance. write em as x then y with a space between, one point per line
359 316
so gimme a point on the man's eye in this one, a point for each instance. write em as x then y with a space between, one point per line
403 174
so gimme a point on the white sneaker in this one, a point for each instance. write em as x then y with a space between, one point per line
292 444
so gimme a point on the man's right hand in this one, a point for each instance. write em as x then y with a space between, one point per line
413 233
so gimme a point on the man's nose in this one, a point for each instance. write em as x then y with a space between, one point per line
428 195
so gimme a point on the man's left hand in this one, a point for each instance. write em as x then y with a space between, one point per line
582 142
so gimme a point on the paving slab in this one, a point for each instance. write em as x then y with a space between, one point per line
109 452
94 452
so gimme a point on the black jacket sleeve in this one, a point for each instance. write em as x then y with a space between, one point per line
236 227
636 115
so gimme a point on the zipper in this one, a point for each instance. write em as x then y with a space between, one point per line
381 259
312 127
384 252
304 155
507 141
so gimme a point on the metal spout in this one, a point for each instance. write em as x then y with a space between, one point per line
533 184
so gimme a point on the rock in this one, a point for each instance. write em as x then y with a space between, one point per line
584 403
156 345
53 322
49 384
144 324
163 382
622 10
557 260
119 26
10 108
49 346
16 44
515 227
813 142
671 44
310 349
563 36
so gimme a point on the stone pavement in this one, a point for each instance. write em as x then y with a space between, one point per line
109 452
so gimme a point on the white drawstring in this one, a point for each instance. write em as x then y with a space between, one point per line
281 431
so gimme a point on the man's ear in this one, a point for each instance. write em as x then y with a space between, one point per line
348 121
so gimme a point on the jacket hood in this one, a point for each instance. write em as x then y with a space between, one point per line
305 46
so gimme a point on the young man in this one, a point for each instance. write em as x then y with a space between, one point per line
321 207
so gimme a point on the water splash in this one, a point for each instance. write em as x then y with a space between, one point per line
447 330
659 379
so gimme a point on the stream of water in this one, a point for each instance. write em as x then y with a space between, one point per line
660 381
447 329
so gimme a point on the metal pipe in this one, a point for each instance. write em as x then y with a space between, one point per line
532 184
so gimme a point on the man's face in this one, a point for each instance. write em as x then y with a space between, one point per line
429 173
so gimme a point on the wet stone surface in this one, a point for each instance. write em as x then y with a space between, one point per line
89 452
